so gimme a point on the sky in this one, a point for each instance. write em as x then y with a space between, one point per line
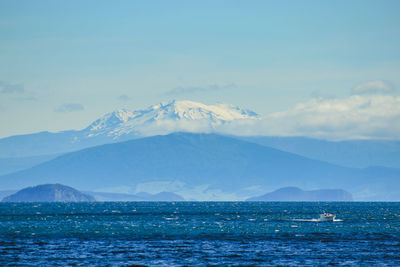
327 65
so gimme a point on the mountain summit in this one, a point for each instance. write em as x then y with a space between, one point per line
123 125
167 117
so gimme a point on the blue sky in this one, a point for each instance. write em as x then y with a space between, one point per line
65 63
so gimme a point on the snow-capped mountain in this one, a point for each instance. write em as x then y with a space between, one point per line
122 125
164 118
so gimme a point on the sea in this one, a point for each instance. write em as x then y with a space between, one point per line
199 234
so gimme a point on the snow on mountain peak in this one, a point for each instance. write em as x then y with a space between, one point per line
111 119
190 110
168 117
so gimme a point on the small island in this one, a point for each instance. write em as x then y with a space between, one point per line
49 193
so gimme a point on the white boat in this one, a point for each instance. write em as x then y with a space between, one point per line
327 217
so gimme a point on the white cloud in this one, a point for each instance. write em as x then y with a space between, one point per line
355 117
124 98
377 86
70 107
9 88
170 126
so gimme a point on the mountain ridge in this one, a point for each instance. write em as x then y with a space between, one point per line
205 165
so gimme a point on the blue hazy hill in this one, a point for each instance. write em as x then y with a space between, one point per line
296 194
221 163
351 153
24 151
9 165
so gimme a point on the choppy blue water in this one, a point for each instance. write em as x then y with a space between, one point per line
198 233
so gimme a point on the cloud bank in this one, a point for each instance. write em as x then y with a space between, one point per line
371 112
355 117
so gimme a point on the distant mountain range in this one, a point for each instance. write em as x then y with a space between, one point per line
296 194
25 151
202 167
113 154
